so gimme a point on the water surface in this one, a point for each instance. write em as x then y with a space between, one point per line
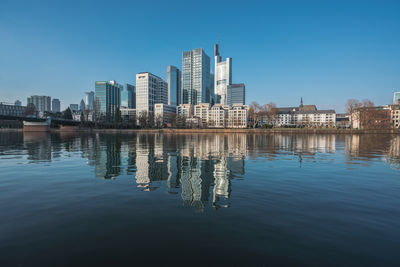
199 199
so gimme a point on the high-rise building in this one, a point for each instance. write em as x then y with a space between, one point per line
150 90
128 96
74 107
107 99
17 103
396 98
42 103
55 105
82 105
236 94
223 76
196 77
174 86
89 99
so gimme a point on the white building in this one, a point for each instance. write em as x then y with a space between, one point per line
128 114
222 76
185 110
42 103
201 111
238 116
164 113
150 89
217 116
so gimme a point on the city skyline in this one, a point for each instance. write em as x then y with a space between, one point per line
324 52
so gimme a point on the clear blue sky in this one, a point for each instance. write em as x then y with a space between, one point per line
324 51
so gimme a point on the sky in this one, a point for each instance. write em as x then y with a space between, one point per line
323 51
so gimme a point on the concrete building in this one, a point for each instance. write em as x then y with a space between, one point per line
236 94
201 111
174 86
42 103
8 109
107 99
164 114
185 110
217 116
18 103
89 100
150 89
238 116
196 77
128 96
380 117
222 76
128 114
55 105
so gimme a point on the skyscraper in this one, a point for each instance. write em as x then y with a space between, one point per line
223 76
55 105
196 77
42 103
89 99
107 99
82 105
150 90
236 94
396 98
128 96
174 86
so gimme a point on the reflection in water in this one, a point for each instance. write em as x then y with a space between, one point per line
198 167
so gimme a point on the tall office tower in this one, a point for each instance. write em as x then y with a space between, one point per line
107 99
82 105
150 90
128 96
89 99
212 94
396 98
174 86
196 77
223 76
42 103
236 94
55 105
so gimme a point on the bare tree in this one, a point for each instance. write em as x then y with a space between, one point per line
254 113
271 112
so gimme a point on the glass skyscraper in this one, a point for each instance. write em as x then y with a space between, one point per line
196 77
128 96
174 86
396 98
107 99
223 76
236 94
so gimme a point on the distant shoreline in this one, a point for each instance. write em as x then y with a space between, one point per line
219 131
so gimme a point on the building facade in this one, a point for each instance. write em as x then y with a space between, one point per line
184 110
217 116
128 96
396 98
89 100
55 105
201 111
222 76
150 90
164 114
107 100
128 114
41 103
174 86
196 77
238 116
7 109
74 107
236 94
82 105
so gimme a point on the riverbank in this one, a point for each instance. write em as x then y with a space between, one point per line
218 131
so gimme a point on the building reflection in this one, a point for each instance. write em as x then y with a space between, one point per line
199 168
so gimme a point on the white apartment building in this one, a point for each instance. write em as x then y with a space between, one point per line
238 116
317 118
222 76
201 112
185 110
150 89
217 116
164 113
